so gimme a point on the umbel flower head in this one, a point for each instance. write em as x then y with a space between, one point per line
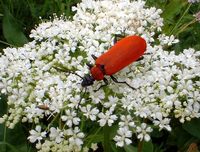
166 85
193 1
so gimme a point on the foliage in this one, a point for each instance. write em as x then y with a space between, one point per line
18 17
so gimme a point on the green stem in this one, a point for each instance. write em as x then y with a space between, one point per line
68 8
185 26
60 121
6 43
176 25
106 142
5 132
4 136
49 125
82 123
140 146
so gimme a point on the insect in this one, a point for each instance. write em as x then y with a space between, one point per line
124 52
43 107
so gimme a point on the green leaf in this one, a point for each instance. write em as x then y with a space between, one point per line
193 127
14 140
114 148
12 30
3 105
9 147
106 140
171 14
147 147
156 133
113 131
95 138
130 148
172 9
1 132
180 138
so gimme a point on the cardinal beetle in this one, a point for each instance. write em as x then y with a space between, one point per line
123 53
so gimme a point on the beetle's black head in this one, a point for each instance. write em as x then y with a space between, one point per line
87 80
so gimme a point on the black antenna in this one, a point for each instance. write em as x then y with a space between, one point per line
68 71
81 98
89 65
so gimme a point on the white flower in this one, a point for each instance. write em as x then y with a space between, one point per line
106 118
89 112
36 135
197 15
166 84
126 121
143 132
32 112
94 146
75 136
3 119
163 123
123 137
193 1
85 149
111 102
70 118
56 134
169 40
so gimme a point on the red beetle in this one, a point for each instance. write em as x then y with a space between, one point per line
123 53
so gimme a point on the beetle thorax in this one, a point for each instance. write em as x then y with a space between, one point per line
97 72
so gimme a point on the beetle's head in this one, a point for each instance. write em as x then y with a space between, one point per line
87 80
97 73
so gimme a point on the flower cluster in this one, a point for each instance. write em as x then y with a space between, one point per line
197 16
193 1
41 78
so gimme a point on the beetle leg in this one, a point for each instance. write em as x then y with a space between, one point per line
106 83
116 81
94 57
117 37
141 58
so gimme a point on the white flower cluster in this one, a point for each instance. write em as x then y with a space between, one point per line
41 78
193 1
197 16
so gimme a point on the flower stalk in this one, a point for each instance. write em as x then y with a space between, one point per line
106 141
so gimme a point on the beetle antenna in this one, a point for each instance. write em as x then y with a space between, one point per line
81 98
68 71
89 65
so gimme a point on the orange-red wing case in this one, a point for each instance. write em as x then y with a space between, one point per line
123 53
